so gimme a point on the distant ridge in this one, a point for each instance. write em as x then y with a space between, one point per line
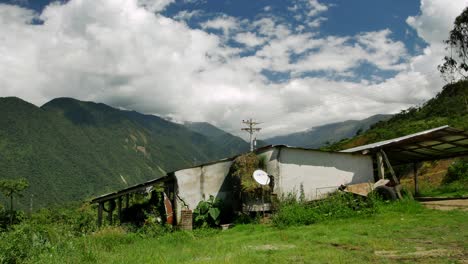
329 133
227 142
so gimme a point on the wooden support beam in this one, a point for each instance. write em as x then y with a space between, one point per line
127 200
110 211
100 207
380 166
389 166
392 172
119 208
415 174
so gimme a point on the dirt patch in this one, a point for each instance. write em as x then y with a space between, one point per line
271 247
461 204
421 253
346 247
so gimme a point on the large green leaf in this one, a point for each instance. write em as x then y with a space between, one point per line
214 213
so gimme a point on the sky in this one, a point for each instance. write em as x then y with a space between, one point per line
291 65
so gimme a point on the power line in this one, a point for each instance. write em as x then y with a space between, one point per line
251 129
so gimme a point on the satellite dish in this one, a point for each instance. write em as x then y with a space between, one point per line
261 177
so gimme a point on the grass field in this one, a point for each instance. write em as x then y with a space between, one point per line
403 232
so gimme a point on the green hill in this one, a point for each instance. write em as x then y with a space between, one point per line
318 136
70 150
449 107
226 142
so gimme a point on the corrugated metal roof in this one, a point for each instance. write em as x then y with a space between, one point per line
437 143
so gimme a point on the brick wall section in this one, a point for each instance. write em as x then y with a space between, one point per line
186 220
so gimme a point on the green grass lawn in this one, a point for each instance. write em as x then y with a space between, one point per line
401 233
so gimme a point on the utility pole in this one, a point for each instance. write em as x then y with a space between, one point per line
251 129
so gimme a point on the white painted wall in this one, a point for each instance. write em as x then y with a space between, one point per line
321 172
196 184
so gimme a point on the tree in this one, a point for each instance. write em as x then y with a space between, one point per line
455 66
9 188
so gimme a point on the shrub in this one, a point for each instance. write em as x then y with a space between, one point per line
295 214
26 239
458 171
154 230
244 218
292 211
77 218
207 213
6 216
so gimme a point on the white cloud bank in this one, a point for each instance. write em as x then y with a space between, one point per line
122 52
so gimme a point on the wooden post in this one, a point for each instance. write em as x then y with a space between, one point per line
119 208
380 166
110 210
127 200
100 207
415 174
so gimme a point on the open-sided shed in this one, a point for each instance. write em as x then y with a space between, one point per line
433 144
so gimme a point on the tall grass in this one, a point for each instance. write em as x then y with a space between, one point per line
292 211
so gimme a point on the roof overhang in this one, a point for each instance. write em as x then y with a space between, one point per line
133 189
433 144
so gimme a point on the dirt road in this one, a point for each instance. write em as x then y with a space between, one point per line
461 204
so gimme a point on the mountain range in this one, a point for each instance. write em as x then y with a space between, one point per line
327 134
72 150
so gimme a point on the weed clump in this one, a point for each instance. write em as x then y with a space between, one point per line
243 168
292 211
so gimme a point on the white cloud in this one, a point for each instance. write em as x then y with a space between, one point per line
155 5
225 23
316 22
436 19
249 39
433 26
316 7
382 51
306 12
187 15
121 53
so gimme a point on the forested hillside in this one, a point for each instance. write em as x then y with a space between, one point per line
449 107
318 136
225 142
70 150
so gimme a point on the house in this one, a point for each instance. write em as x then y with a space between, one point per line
312 172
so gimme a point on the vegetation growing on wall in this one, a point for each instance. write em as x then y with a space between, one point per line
243 168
